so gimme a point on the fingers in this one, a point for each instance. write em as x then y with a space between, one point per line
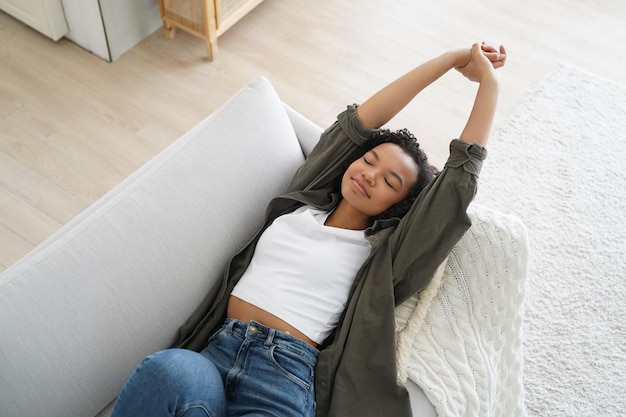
503 54
477 52
496 56
484 58
500 60
487 48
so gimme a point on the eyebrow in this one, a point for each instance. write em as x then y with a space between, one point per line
393 173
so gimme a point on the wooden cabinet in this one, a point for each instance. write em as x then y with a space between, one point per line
206 19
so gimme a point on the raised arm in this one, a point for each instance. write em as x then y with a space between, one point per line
386 103
481 70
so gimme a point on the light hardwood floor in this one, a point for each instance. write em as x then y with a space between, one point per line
73 126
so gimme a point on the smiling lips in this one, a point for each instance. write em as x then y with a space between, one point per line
360 187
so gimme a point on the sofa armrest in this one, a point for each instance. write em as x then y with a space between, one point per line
307 132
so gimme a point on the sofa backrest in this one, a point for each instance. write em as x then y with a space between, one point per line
112 286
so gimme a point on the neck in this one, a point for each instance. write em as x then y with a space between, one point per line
346 217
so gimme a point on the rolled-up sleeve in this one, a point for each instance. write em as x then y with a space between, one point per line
437 220
467 156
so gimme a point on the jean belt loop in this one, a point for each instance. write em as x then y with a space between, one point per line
270 338
230 324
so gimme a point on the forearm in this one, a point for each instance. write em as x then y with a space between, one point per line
483 112
386 103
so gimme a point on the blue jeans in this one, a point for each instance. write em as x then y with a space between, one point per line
247 369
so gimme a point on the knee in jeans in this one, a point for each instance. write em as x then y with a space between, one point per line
176 381
181 368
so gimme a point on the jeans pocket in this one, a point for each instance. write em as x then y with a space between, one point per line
217 336
293 365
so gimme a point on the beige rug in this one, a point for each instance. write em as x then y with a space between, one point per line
559 164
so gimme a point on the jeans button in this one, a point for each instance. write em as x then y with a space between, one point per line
253 329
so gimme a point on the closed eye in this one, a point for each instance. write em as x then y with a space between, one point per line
366 161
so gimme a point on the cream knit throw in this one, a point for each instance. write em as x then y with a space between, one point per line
460 339
409 319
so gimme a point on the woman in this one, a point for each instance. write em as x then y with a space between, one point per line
303 321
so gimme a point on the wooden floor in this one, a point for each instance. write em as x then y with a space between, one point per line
73 126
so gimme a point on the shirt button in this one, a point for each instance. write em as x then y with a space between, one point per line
323 384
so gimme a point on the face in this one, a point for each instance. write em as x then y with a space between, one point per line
379 179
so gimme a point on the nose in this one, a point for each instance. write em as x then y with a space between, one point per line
369 177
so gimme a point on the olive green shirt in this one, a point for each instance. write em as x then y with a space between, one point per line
356 370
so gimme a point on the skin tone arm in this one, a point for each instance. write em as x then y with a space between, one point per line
477 64
481 70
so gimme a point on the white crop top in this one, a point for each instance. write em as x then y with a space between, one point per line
302 271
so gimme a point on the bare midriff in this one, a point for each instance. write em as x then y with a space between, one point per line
243 311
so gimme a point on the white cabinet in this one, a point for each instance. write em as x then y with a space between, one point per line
46 16
126 22
108 28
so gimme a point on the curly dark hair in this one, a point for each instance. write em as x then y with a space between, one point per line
408 143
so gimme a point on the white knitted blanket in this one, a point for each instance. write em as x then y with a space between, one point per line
462 342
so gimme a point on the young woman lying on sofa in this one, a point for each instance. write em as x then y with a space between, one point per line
303 322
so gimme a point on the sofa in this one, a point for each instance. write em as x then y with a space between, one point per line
79 312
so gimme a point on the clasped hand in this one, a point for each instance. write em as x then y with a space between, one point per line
483 61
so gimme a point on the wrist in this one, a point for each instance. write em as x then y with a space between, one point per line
490 78
459 57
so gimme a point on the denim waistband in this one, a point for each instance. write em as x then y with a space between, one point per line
269 336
